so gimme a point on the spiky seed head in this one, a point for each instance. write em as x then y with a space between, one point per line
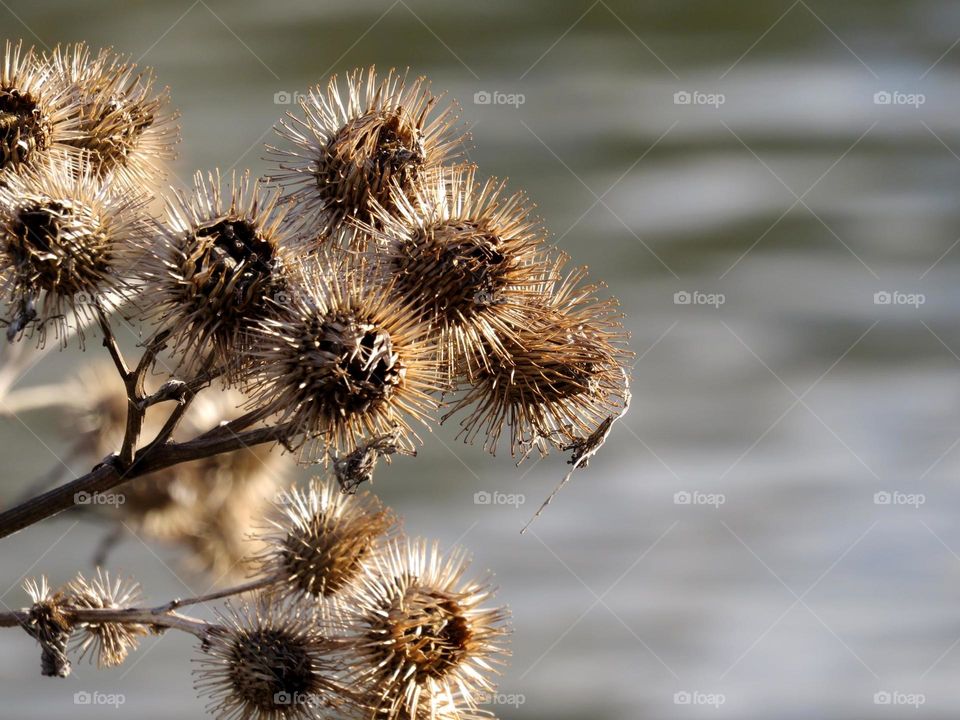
427 642
350 146
125 124
470 257
345 361
48 623
269 663
319 539
562 376
37 109
223 253
68 244
109 643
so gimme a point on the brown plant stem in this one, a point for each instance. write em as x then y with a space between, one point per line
112 473
161 616
133 382
130 616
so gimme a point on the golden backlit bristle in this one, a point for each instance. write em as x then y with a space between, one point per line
319 538
468 256
107 643
561 377
37 110
344 361
425 637
270 663
125 124
223 255
349 146
68 244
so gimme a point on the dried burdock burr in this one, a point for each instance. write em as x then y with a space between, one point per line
37 110
222 256
427 644
108 642
270 662
468 256
562 376
319 538
47 623
67 246
350 146
122 121
345 361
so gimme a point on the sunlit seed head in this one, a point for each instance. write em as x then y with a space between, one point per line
561 376
344 361
108 643
351 147
36 109
49 625
270 663
123 122
426 639
469 257
67 243
319 539
224 254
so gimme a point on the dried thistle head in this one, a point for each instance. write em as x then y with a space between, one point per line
319 539
222 255
345 361
67 245
36 109
562 376
269 663
125 124
350 147
468 256
110 643
426 642
48 623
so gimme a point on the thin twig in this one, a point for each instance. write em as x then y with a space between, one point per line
129 616
109 474
252 585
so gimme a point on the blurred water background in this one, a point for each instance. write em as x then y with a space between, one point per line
787 186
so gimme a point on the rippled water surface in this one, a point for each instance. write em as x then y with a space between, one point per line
799 593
